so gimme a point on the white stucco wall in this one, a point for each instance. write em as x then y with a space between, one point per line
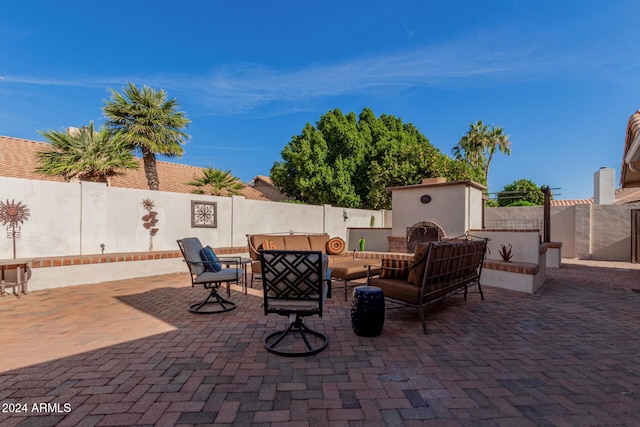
53 227
525 245
75 218
610 233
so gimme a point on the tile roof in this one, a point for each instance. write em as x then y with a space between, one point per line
19 161
263 178
622 196
571 202
629 178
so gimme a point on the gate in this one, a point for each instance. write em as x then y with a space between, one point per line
635 236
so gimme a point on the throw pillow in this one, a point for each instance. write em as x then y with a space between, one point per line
418 264
335 246
269 245
211 261
394 269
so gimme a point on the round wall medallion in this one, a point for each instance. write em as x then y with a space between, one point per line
425 198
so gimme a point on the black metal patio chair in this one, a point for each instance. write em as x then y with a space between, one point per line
295 286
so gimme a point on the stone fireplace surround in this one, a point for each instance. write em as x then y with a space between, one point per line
420 232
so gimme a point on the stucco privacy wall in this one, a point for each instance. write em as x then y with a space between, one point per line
599 232
525 245
76 218
610 232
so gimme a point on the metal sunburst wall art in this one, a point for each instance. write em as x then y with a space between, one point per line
13 215
150 220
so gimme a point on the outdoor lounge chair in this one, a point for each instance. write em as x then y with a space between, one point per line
295 286
191 250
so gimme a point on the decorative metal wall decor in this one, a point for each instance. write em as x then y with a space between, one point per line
12 215
204 214
150 220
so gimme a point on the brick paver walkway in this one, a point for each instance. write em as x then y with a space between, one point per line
129 353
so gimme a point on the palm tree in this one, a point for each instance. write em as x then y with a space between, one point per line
146 120
85 154
479 144
217 183
497 139
472 145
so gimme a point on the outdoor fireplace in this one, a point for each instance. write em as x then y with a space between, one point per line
423 232
433 210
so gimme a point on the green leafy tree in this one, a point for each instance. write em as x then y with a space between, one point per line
522 192
146 120
216 183
348 160
85 154
478 146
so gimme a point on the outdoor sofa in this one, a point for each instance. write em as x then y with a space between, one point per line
438 270
345 266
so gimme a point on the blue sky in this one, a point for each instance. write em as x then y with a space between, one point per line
561 77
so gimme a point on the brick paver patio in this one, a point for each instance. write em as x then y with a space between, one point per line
129 353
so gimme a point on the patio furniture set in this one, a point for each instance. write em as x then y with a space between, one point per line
296 273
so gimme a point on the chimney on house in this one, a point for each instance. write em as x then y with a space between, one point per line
603 186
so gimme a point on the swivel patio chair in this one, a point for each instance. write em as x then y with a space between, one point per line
199 268
295 286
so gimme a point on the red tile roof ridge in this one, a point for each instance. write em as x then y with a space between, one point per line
569 202
19 161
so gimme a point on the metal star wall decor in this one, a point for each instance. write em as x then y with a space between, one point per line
13 215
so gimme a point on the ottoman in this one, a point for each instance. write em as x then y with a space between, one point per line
367 311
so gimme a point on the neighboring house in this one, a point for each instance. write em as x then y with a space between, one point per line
630 172
18 160
264 184
621 195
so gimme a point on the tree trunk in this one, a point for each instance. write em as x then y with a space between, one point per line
150 168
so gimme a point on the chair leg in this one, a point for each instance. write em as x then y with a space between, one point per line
346 288
423 320
271 341
220 304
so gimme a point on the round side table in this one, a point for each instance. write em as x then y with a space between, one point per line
367 311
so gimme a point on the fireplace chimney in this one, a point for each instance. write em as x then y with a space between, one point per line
603 186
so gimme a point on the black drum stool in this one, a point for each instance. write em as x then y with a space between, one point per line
367 311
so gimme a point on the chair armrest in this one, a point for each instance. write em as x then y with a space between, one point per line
235 260
369 274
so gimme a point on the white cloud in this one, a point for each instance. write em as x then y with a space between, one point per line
483 60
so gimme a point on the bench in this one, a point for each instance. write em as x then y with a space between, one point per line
438 270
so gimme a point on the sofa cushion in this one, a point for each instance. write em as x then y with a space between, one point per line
416 271
337 259
336 246
211 261
398 289
394 269
297 242
318 242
